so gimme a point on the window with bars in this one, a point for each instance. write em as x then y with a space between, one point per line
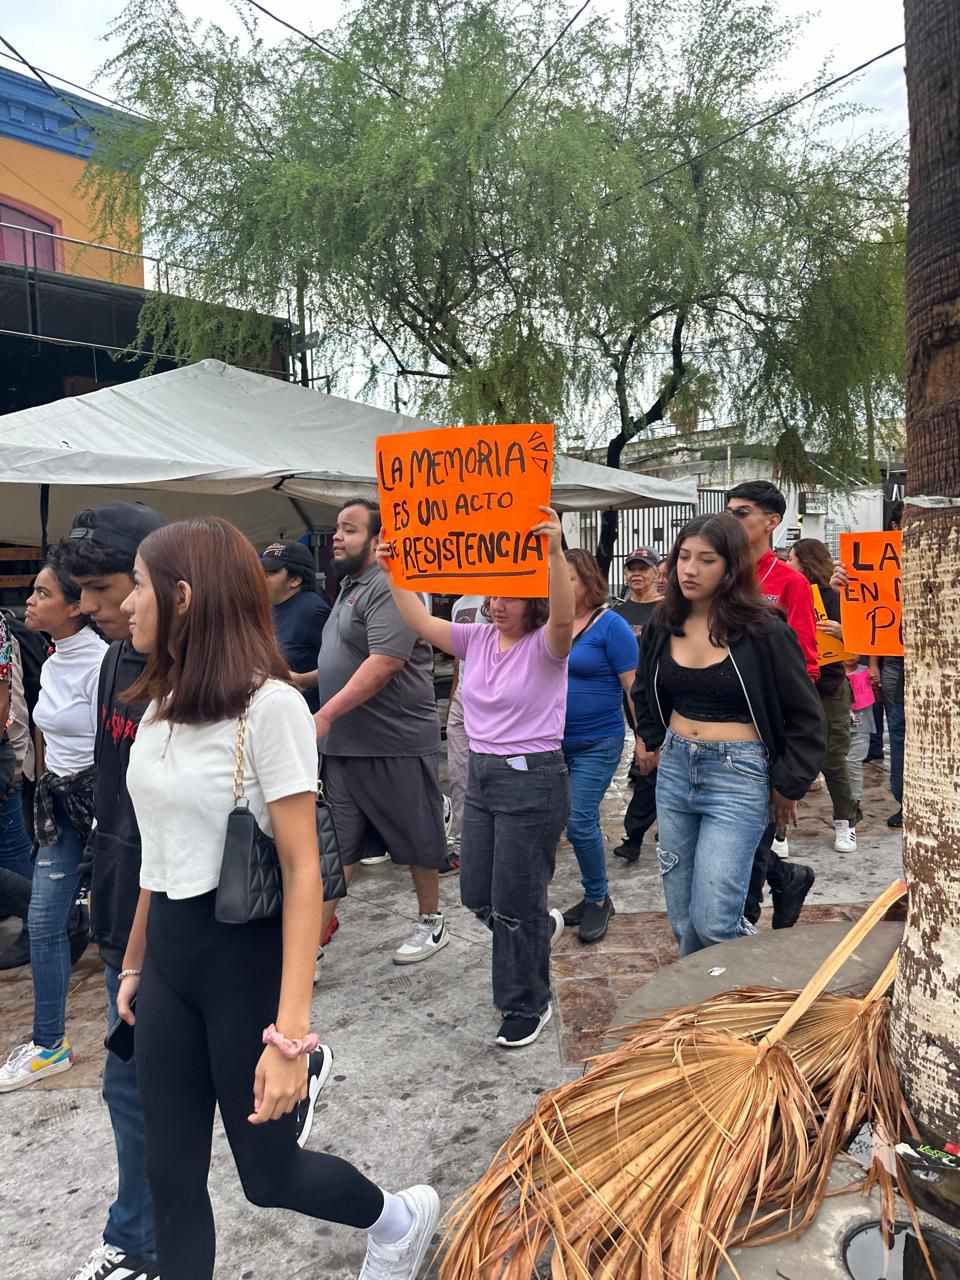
19 244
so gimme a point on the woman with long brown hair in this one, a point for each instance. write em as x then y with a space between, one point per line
223 1010
728 715
601 668
811 558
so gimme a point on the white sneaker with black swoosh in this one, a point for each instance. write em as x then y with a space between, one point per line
429 936
108 1263
318 1069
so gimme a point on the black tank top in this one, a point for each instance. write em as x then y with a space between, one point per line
709 694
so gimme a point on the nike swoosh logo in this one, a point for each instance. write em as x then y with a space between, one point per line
437 936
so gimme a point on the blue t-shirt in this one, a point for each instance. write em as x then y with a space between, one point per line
594 692
298 624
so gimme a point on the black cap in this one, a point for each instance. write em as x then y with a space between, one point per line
290 555
642 555
120 525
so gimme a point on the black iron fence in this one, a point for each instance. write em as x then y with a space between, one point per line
654 527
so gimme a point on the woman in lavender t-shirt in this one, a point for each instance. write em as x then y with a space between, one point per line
518 793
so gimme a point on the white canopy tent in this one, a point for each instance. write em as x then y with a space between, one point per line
274 457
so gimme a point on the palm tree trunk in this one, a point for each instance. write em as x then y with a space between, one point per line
927 999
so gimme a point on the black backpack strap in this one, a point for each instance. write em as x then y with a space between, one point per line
105 690
593 617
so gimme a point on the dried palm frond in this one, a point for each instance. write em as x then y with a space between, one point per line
712 1126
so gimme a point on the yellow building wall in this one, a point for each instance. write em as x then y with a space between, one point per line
47 182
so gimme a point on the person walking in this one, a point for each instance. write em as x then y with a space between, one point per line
760 508
222 1011
642 576
728 713
518 792
99 555
466 611
601 669
63 814
379 731
811 558
862 701
299 612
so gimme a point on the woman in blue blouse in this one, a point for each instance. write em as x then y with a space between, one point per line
602 665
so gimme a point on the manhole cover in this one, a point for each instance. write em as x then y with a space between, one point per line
866 1258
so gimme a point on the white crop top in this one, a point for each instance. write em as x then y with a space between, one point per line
180 779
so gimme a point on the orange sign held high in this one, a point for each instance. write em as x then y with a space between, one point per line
871 604
829 648
458 504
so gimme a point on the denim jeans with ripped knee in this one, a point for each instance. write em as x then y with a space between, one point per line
56 879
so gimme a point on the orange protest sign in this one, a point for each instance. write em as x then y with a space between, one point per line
871 603
458 504
829 648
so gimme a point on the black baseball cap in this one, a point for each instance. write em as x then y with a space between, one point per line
289 555
645 555
120 525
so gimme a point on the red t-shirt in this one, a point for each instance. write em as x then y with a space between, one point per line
790 591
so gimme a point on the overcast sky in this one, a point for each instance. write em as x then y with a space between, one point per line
66 37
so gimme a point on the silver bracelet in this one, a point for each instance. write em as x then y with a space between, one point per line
129 973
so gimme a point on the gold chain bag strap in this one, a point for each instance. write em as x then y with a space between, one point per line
251 883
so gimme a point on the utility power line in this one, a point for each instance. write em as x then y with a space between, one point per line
93 93
541 60
771 115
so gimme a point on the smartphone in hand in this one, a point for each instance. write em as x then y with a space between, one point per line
119 1039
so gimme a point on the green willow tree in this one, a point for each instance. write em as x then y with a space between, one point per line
508 245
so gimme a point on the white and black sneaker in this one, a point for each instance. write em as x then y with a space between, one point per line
429 937
514 1033
557 923
108 1263
321 1060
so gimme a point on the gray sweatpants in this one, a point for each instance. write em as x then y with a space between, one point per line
860 731
458 763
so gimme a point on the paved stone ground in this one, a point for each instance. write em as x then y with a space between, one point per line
419 1091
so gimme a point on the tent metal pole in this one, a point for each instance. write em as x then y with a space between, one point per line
44 516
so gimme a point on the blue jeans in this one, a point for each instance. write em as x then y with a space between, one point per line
130 1220
713 802
56 880
896 724
15 843
591 766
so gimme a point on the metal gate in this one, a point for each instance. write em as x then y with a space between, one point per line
655 527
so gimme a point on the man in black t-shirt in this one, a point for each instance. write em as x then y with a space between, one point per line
299 613
643 596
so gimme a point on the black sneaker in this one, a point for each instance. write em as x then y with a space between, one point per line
573 915
895 821
596 917
321 1060
628 851
788 901
108 1263
514 1033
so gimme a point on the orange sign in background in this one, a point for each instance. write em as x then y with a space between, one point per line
871 604
458 504
829 648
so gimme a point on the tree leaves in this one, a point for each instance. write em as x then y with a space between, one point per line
502 254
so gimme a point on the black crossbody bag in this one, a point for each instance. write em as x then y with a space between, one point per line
251 883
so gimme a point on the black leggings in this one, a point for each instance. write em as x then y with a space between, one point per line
207 992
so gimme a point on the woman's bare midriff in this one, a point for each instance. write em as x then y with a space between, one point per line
712 730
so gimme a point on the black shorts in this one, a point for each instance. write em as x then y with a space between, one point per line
387 803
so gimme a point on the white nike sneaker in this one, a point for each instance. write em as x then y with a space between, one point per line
429 936
402 1261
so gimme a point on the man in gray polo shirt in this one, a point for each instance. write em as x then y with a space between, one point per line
379 731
